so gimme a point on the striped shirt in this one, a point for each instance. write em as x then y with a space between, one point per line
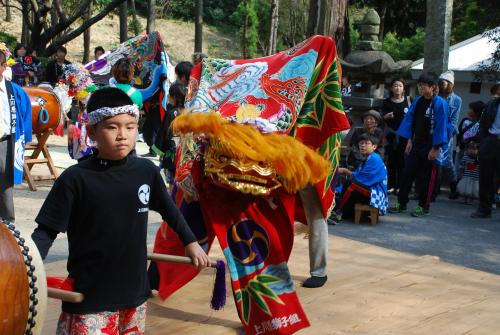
470 167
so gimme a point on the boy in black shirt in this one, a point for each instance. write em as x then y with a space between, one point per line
425 127
103 204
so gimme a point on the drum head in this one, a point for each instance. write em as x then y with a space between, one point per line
23 286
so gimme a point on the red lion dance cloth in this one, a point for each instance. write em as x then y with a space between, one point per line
256 131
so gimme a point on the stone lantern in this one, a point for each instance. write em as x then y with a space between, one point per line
369 67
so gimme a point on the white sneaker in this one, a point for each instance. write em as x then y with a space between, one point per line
140 138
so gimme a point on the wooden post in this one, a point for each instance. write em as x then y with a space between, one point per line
198 28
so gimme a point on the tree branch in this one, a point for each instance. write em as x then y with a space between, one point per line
11 5
64 24
85 25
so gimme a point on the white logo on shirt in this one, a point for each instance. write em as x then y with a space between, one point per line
143 194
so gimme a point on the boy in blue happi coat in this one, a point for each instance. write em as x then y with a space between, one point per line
369 181
426 128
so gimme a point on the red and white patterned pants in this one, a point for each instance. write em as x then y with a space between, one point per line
128 321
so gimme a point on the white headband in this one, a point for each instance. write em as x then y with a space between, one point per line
103 113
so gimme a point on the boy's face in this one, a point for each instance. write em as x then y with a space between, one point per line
115 136
425 90
366 147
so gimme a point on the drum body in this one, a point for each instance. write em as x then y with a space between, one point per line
46 110
23 288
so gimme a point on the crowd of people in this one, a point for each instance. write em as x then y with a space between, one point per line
422 142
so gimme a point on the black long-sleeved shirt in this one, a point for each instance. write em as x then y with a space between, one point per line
103 205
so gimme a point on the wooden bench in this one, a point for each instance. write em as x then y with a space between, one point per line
359 209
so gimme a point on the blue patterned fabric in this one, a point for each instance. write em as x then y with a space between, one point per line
23 129
373 174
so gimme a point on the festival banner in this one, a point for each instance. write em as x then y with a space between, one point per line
256 236
296 92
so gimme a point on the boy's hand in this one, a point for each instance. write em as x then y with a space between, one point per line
197 254
408 148
433 154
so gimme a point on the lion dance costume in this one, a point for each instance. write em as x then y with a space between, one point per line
255 132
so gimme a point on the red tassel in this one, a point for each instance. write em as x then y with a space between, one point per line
59 131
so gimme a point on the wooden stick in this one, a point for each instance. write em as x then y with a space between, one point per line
64 295
175 259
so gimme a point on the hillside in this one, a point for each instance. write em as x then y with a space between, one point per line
178 37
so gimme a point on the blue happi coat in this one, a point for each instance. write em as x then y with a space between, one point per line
439 125
372 173
23 129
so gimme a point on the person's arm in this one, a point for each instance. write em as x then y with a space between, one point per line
43 237
440 135
54 215
456 114
406 127
344 171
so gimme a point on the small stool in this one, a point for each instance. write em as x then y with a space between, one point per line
359 209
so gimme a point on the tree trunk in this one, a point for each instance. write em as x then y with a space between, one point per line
198 28
151 24
25 34
244 49
86 37
382 13
313 17
123 22
339 27
8 14
331 20
273 34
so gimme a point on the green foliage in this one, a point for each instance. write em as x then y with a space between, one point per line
491 70
466 25
401 48
9 40
134 25
246 10
215 12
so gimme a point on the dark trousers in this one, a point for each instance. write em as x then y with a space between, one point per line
418 168
489 167
353 194
395 160
7 180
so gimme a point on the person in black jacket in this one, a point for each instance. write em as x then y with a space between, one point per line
55 69
489 156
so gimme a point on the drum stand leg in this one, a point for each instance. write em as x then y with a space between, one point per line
30 161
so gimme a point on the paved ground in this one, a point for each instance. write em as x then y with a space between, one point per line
448 233
380 279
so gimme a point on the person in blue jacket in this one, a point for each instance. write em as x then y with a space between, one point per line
368 184
426 128
15 131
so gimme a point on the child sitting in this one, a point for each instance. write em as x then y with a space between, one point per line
468 186
103 204
165 146
369 181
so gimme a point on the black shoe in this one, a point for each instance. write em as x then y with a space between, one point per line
314 282
480 215
453 195
149 155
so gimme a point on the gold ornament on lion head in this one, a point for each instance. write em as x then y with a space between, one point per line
241 158
248 177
